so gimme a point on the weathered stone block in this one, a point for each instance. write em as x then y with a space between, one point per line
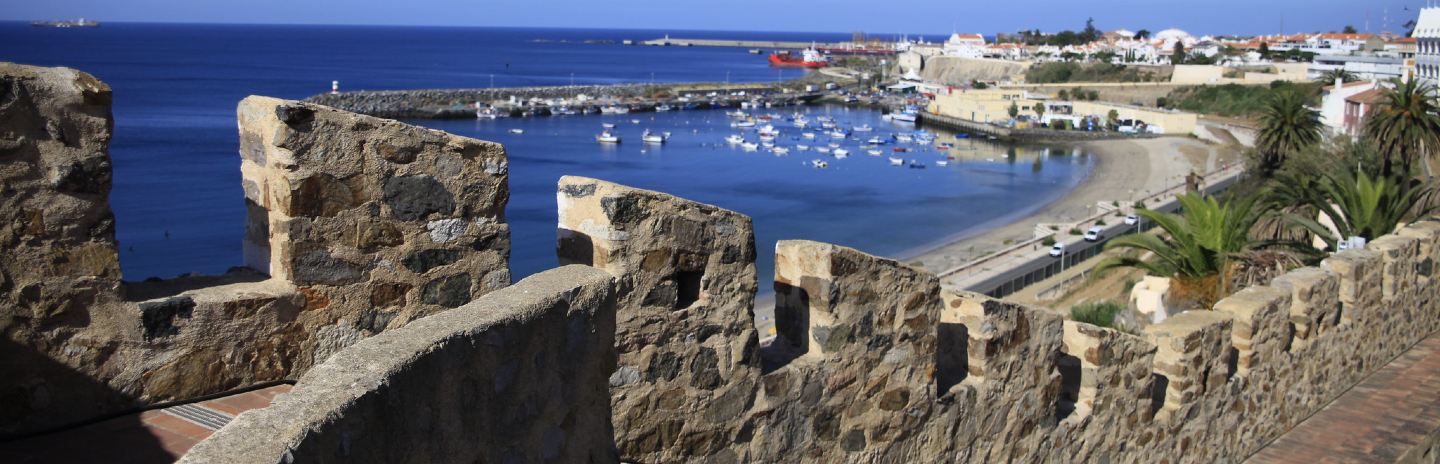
1192 352
1261 330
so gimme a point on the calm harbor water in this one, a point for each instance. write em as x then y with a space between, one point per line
177 194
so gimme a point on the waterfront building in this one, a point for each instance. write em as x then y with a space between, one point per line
1368 67
965 45
992 106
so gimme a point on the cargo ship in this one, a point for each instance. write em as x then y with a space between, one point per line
809 58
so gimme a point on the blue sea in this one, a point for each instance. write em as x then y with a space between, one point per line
177 197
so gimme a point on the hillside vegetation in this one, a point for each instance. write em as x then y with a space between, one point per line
1235 100
1067 72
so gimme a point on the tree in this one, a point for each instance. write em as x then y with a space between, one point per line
1348 29
1264 50
1039 109
1286 126
1064 94
1404 126
1144 34
1177 55
1090 33
1330 76
1014 110
1112 118
1197 247
1357 204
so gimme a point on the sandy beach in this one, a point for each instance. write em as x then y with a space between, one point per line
1124 171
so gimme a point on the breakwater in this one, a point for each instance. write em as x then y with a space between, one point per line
542 101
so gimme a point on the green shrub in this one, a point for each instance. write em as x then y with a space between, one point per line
1101 314
1100 223
1048 241
1076 232
1236 100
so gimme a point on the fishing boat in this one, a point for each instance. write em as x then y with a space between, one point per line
819 164
906 116
809 58
735 139
664 107
863 128
750 146
768 130
875 141
827 124
651 137
839 134
517 131
767 138
874 152
841 153
780 151
745 123
487 113
897 161
607 137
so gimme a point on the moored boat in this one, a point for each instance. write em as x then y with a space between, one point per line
897 161
809 58
651 137
607 137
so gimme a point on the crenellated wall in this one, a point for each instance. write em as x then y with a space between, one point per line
518 375
356 225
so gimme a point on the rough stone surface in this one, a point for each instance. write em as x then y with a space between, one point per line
518 375
79 342
687 346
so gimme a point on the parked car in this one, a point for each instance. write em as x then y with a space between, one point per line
1132 220
1058 250
1095 234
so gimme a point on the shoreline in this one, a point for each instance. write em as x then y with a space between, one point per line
1125 169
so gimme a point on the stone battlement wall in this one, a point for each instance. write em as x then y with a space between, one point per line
874 362
355 225
518 375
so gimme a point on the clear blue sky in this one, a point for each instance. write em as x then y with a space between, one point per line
911 16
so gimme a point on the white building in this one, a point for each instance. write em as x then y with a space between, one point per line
1363 66
965 45
1427 46
1332 102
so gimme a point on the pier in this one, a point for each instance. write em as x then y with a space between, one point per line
669 42
539 101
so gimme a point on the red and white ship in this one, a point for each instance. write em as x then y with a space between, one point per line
809 58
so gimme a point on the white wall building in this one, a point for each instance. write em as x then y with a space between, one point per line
1332 102
965 45
1427 46
1363 66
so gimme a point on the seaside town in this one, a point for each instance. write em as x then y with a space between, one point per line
1124 242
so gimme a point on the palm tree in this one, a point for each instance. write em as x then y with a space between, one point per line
1404 125
1330 76
1359 205
1286 126
1198 246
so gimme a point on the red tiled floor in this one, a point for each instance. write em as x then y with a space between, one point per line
154 436
1385 416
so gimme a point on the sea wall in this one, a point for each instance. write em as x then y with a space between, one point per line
459 103
518 375
355 225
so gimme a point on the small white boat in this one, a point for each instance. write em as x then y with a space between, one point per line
614 110
634 121
875 141
801 123
745 123
820 164
487 113
607 137
827 125
875 152
841 153
822 149
781 151
903 117
904 138
750 146
942 163
767 137
607 125
863 128
664 107
897 161
651 137
767 144
735 139
802 147
517 131
808 135
738 115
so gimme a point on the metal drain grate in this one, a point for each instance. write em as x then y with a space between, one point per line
198 414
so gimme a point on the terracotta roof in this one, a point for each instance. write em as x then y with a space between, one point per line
1404 40
1368 97
1338 36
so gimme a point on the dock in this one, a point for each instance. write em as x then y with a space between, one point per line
670 42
